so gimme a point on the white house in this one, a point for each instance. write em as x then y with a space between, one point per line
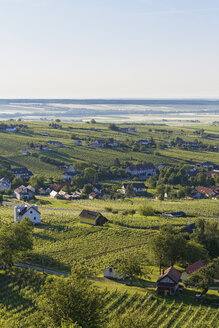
145 170
11 128
110 272
97 143
26 151
138 188
30 211
24 192
78 143
5 184
54 194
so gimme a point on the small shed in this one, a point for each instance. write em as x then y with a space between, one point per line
92 217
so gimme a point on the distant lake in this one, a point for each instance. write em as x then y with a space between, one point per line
121 110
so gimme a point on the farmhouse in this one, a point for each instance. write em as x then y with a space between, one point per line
11 128
55 143
54 194
22 172
78 143
112 273
23 192
207 192
138 188
143 142
5 184
192 268
30 212
143 170
26 151
93 218
168 282
69 172
97 143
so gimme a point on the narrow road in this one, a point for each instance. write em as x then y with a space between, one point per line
37 268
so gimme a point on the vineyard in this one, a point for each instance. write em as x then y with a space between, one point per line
12 144
18 294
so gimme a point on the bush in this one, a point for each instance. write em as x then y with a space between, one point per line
146 211
108 209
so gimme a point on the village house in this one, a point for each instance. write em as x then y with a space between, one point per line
213 172
207 192
143 142
69 172
142 170
55 143
112 273
93 195
23 192
97 188
54 194
5 184
138 188
112 143
78 143
192 268
168 282
93 218
130 129
11 128
29 211
22 172
45 134
97 143
26 151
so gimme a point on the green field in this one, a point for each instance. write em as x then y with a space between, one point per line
12 144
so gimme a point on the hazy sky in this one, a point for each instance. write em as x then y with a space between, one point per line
109 48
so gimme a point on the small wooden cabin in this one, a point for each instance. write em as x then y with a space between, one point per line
92 217
168 282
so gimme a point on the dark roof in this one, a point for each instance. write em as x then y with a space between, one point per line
20 170
135 185
172 273
174 214
89 214
26 208
22 188
189 228
194 267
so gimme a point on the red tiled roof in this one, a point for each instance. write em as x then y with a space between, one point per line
205 190
172 273
194 267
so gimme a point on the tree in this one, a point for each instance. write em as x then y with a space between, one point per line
195 251
117 162
146 210
15 240
65 301
16 182
37 182
92 121
203 278
113 127
130 267
167 247
87 189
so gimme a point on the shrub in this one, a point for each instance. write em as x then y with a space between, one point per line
146 211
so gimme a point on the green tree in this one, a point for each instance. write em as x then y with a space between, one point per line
37 181
65 301
130 267
113 127
167 248
203 278
16 182
15 240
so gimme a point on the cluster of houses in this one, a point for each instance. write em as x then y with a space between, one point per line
168 283
12 128
101 143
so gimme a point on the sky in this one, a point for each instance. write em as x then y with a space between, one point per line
109 49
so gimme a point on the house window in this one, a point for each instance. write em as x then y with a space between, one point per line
34 218
110 270
31 212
